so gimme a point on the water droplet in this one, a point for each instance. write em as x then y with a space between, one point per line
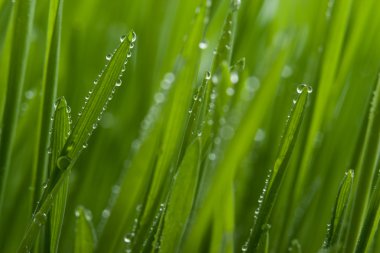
118 82
68 109
208 75
230 91
109 57
132 36
122 38
215 79
212 156
30 94
234 78
129 54
260 135
85 145
244 248
203 44
127 240
287 71
106 213
159 97
301 87
63 162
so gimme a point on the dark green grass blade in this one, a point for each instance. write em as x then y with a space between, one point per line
334 229
24 11
276 176
181 199
48 90
85 239
366 168
371 222
5 17
60 131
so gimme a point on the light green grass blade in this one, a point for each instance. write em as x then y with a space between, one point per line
334 230
85 239
223 226
48 90
24 13
176 116
60 131
366 168
181 199
96 101
276 176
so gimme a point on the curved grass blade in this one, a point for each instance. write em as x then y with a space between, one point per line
366 168
276 176
371 221
85 239
60 131
24 13
181 199
49 91
334 229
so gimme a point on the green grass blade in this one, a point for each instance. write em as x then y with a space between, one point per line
60 132
276 176
49 90
96 101
24 13
366 168
176 112
5 18
181 199
371 222
85 239
334 229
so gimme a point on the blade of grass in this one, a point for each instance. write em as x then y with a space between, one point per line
176 112
366 169
371 222
85 239
181 199
5 17
334 229
276 176
24 13
48 91
60 131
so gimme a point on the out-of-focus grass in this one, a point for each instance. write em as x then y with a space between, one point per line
181 155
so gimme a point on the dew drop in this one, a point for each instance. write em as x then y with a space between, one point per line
109 57
203 44
85 145
127 239
132 36
208 75
106 213
129 54
212 156
230 91
244 248
301 87
122 38
159 97
118 82
234 78
63 162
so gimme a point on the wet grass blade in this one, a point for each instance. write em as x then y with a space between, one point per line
272 187
85 239
96 101
24 13
334 229
48 90
60 131
181 199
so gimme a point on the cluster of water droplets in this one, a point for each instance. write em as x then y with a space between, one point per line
302 87
153 227
129 237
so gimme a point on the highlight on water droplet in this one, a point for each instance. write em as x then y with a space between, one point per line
118 82
203 44
208 75
108 57
122 38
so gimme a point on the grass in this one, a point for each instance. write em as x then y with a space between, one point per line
234 126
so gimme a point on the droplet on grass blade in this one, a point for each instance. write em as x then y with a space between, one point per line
302 87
